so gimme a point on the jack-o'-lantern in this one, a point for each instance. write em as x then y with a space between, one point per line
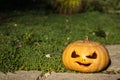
86 56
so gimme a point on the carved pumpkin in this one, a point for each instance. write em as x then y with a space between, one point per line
85 56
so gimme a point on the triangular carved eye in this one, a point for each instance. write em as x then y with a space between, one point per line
74 55
93 56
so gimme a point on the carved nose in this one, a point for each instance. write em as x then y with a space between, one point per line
83 60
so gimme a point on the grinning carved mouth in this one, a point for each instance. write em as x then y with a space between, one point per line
83 64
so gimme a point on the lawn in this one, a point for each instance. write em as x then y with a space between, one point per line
32 40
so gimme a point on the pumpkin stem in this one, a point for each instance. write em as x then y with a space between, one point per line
86 39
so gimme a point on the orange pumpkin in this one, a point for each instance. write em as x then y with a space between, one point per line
85 56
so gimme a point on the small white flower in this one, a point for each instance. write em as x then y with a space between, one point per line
93 33
19 46
67 20
107 33
68 38
47 74
47 55
15 24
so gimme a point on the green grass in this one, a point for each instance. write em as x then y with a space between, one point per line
27 37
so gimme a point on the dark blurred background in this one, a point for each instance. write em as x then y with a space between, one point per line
22 4
87 5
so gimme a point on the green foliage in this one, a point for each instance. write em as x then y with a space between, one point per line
100 5
34 41
110 4
75 6
92 5
68 6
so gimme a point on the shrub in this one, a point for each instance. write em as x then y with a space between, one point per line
75 6
91 5
68 6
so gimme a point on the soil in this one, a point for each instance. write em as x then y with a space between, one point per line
111 73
